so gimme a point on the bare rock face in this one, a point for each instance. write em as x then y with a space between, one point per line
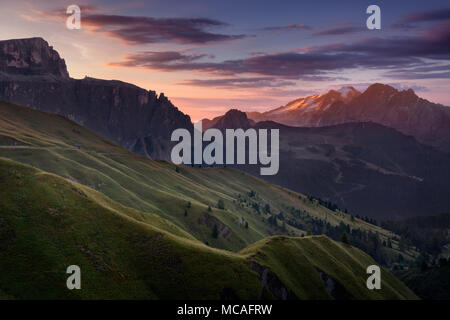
233 119
33 75
31 57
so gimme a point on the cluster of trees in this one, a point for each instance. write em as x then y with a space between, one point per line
327 204
367 241
428 234
368 220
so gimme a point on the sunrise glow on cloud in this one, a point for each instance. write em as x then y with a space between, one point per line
208 57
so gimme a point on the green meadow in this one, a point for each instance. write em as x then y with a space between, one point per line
145 229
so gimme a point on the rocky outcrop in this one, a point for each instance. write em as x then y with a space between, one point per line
33 75
211 221
333 287
31 57
233 119
271 282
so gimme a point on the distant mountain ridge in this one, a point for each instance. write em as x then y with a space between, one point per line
232 119
404 111
365 167
33 74
298 107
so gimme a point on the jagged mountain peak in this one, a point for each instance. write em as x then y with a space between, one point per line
379 89
380 103
383 95
317 102
233 119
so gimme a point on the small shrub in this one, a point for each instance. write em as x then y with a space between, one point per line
215 232
344 238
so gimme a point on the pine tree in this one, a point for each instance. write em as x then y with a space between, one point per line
344 238
215 232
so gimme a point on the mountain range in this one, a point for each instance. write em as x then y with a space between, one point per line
367 168
80 184
403 110
355 144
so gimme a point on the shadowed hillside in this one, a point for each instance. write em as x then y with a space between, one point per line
189 197
367 168
48 223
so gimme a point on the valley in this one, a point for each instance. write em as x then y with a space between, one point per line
88 178
363 167
68 194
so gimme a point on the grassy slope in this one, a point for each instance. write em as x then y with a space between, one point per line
345 264
48 223
48 142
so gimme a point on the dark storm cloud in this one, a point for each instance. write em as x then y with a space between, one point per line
149 58
338 31
290 65
399 49
255 82
317 62
176 61
434 15
408 21
415 75
290 27
145 30
437 72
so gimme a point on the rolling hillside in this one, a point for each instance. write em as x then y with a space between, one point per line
48 223
180 194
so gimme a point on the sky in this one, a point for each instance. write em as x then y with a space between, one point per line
208 56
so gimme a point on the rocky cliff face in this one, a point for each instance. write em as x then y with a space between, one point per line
31 57
33 75
233 119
